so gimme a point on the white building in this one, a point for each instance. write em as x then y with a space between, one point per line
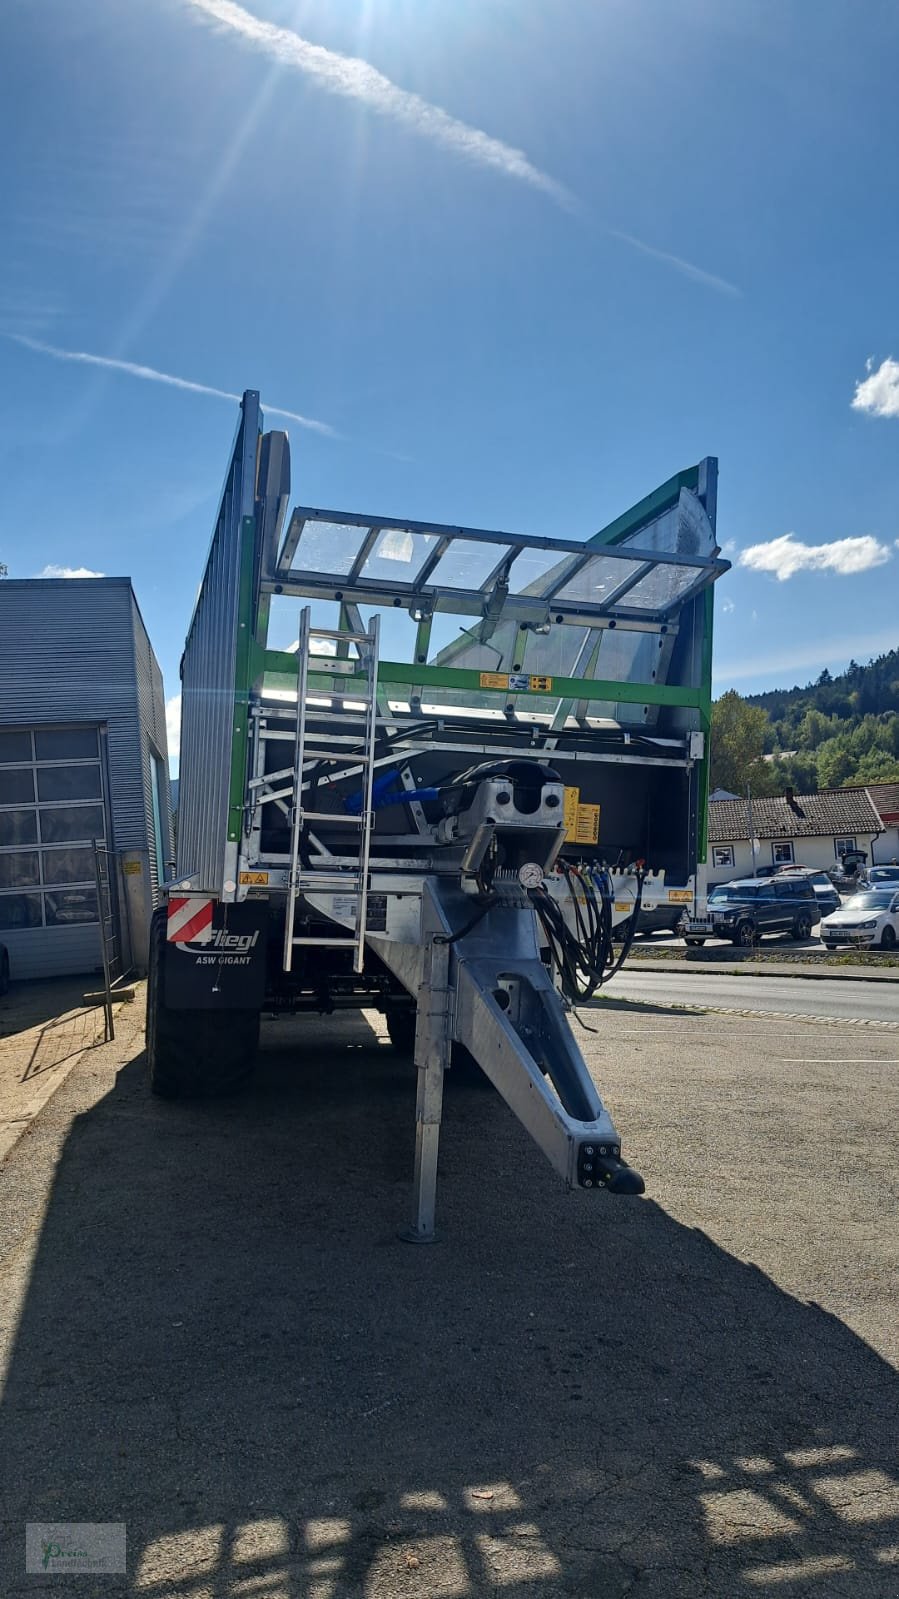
886 803
797 829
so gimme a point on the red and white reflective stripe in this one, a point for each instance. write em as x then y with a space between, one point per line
190 920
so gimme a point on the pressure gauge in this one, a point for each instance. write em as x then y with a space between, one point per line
530 875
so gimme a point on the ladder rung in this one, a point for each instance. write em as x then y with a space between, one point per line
332 816
329 943
327 882
310 754
342 638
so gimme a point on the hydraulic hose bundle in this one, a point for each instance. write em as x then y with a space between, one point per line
585 959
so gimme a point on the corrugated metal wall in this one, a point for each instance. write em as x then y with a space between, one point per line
151 716
74 650
207 675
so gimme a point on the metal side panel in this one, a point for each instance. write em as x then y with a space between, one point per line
507 1059
208 671
502 1006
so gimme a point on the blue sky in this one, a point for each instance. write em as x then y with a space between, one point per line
529 261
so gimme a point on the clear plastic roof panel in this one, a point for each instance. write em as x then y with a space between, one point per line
427 566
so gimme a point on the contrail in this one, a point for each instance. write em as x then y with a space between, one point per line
676 261
357 80
150 375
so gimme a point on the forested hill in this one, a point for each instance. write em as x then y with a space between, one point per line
835 731
870 690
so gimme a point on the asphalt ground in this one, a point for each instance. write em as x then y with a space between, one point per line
212 1334
839 998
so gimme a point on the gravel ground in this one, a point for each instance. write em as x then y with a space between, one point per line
211 1333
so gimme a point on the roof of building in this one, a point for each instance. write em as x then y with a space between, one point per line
830 814
886 800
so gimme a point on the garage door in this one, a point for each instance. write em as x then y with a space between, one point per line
51 809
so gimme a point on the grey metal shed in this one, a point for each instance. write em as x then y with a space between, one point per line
83 756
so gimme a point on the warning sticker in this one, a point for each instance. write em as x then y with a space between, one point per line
581 821
517 682
623 905
586 827
680 896
256 879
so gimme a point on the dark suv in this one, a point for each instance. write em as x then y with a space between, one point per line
744 910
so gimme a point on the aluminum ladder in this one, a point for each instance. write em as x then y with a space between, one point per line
325 878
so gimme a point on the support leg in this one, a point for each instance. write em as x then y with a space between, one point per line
431 1054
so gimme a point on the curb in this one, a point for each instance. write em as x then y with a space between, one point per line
856 974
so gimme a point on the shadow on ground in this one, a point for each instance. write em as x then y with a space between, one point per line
45 1000
224 1346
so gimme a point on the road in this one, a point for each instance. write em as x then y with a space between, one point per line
210 1332
839 999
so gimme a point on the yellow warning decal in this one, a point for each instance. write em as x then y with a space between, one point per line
581 821
586 828
680 896
518 682
623 905
256 879
131 868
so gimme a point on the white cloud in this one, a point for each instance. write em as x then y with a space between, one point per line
69 571
358 80
878 394
709 279
173 726
787 555
151 375
727 607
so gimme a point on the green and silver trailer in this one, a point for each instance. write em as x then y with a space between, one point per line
478 754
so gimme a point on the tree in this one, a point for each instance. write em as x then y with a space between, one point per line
738 742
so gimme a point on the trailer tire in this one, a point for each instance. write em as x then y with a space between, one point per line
401 1030
194 1054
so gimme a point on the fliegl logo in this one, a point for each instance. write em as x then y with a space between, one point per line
190 929
228 943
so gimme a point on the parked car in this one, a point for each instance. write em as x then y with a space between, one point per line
658 919
869 917
743 910
850 870
825 893
883 876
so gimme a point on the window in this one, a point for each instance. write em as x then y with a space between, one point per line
67 905
20 910
722 855
67 823
65 744
18 827
19 868
68 782
51 810
841 845
16 785
156 787
782 854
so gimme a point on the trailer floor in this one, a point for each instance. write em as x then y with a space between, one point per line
211 1333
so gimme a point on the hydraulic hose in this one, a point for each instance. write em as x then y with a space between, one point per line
585 958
